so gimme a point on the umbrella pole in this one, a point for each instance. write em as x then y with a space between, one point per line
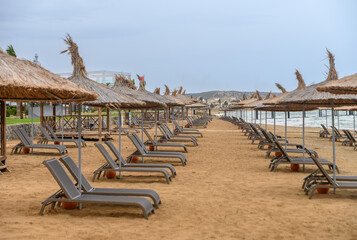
156 130
266 120
79 152
338 120
303 137
333 143
354 123
119 140
286 132
260 118
32 126
63 123
142 129
326 119
274 124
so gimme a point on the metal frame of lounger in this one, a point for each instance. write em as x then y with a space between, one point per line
151 142
69 190
47 138
179 129
167 138
73 169
328 181
286 159
144 153
26 142
111 165
196 123
120 159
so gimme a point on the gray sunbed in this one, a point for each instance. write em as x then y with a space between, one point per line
47 138
179 129
151 142
55 138
327 181
143 152
26 142
167 137
87 188
286 159
111 165
123 163
69 190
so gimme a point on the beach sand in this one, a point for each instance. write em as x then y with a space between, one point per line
226 191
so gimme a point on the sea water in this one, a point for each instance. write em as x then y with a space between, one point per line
343 119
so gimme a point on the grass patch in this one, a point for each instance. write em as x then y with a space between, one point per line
10 121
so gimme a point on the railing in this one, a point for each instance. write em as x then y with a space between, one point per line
70 122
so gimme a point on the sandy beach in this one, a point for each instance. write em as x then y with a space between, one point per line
226 191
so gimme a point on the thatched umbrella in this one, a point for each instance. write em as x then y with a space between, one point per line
311 97
22 80
106 96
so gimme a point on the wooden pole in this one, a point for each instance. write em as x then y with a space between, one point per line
108 120
54 116
100 123
70 109
3 127
41 115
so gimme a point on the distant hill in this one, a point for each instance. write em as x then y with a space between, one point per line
224 94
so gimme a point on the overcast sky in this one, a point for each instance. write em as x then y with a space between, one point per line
202 45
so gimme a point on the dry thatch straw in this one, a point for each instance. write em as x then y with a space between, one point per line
106 96
244 97
23 80
310 96
124 86
345 85
168 101
271 104
197 105
267 96
258 102
173 97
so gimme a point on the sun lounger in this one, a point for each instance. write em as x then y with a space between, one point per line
144 153
338 135
327 181
47 138
111 165
166 137
123 128
120 159
136 123
196 123
151 142
298 148
54 136
324 132
350 139
179 129
286 159
26 142
87 188
69 190
172 135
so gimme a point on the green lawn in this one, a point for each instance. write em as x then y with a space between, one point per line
10 121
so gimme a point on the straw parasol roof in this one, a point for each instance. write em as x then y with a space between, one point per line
345 85
23 80
126 87
106 96
168 101
197 105
310 96
241 104
272 103
179 101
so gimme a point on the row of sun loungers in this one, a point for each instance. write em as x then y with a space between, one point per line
318 178
145 199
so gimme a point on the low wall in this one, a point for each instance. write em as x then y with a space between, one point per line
11 135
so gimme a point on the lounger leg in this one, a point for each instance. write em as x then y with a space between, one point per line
312 190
